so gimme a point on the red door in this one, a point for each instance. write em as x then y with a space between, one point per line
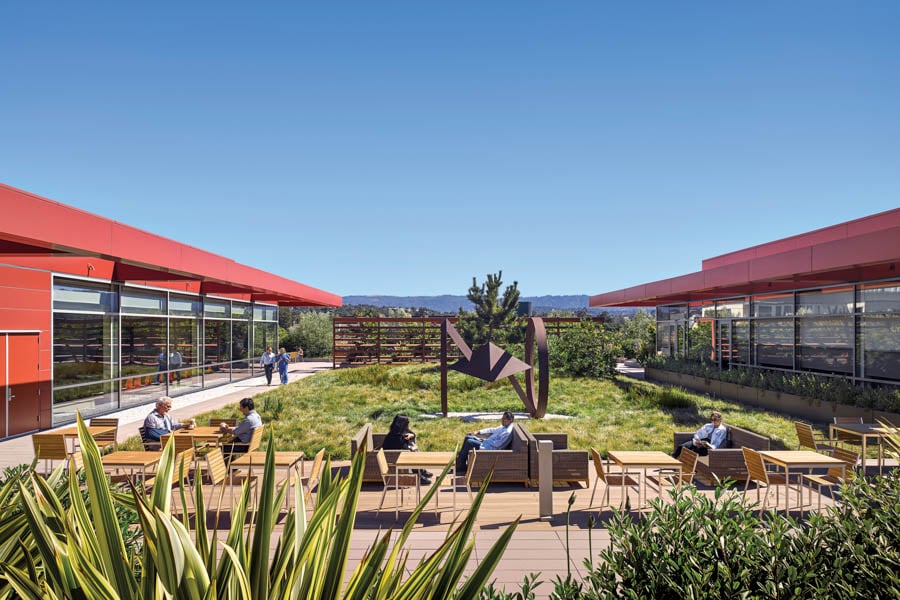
19 358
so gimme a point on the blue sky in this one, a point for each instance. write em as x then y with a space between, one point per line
405 147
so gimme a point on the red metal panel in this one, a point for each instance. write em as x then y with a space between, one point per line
858 250
52 225
727 275
783 265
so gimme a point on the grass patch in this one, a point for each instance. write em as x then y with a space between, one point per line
326 409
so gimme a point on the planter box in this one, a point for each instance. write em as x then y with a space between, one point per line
801 407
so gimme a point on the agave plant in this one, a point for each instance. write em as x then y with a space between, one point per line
77 551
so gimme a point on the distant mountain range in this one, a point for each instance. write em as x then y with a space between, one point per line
451 304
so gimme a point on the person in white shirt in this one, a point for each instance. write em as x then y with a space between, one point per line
711 435
498 439
267 362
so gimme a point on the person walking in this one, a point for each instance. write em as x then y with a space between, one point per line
282 362
267 362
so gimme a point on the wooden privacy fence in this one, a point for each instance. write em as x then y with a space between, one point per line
401 340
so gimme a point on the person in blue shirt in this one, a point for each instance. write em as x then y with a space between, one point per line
158 422
282 361
243 431
498 439
711 435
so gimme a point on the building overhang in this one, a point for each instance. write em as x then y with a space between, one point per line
859 250
42 233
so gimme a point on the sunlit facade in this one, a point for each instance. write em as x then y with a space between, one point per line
826 302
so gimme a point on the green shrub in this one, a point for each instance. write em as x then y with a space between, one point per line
312 332
585 349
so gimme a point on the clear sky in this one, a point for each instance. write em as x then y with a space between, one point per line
402 148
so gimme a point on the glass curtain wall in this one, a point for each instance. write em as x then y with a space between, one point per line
848 331
116 346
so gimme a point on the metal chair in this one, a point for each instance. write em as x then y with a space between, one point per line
149 445
110 438
756 472
624 480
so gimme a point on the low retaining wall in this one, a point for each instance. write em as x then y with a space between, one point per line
808 409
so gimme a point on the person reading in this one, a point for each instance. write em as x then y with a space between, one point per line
710 436
401 437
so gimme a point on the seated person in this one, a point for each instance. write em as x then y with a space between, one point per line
711 435
159 422
401 437
243 431
498 440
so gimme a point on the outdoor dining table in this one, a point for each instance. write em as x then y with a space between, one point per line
421 460
283 460
644 460
203 433
863 431
131 459
71 432
800 460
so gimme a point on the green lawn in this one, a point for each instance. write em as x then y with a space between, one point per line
326 409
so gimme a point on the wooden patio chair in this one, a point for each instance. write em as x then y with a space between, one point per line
688 459
110 438
185 459
216 422
217 472
254 443
388 478
809 439
458 479
624 480
313 480
835 475
756 472
50 447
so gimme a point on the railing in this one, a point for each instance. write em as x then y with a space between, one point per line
402 340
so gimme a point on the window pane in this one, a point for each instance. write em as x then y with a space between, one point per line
773 306
264 334
241 311
837 301
82 348
826 344
186 306
726 309
240 342
217 343
143 339
139 302
881 346
262 312
741 342
216 309
775 342
880 300
71 295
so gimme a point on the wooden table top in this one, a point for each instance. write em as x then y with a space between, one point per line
131 458
860 428
282 459
643 458
800 458
72 431
424 459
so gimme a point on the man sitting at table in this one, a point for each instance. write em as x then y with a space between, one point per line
711 435
159 422
243 431
499 438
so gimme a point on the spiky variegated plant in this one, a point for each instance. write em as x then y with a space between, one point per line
78 552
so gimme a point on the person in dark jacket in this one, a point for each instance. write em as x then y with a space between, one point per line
401 437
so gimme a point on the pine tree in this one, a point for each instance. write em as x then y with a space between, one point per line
494 318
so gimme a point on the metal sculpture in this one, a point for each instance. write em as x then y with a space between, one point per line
491 363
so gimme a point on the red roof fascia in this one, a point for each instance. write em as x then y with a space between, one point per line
859 250
35 221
